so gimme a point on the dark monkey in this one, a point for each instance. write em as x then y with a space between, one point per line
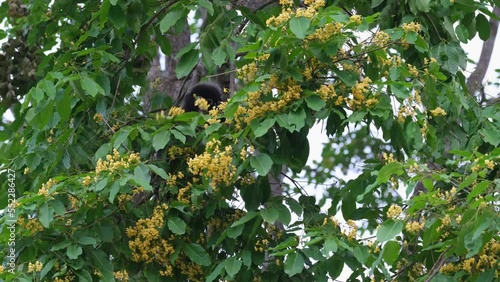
207 90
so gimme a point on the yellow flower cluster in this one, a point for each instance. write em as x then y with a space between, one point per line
46 186
381 39
352 230
121 275
145 241
411 26
67 278
98 118
183 194
388 158
358 92
410 106
160 115
261 245
326 32
327 93
489 164
485 260
214 115
355 19
256 108
214 163
75 202
332 220
87 180
115 162
287 13
201 103
35 267
394 211
1 269
126 198
193 271
429 61
438 112
247 72
414 227
221 223
33 225
175 111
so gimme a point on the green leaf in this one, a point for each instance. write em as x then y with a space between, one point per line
389 230
388 170
462 33
347 77
262 163
90 86
115 188
400 91
215 273
63 106
120 137
468 181
142 177
176 225
270 214
170 20
74 251
376 3
117 16
235 232
284 214
361 253
60 246
232 266
423 5
207 5
179 136
483 27
261 128
37 94
187 62
448 56
297 119
315 103
49 88
219 56
87 240
244 219
391 252
158 171
299 26
490 133
330 245
47 267
294 264
197 254
478 189
46 215
161 139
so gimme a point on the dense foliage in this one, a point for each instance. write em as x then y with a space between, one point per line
95 189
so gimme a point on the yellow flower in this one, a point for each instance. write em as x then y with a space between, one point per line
175 111
438 112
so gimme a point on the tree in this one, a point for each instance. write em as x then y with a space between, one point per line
105 178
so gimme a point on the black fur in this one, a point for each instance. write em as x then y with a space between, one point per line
209 91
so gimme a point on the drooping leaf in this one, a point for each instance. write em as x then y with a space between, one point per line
299 26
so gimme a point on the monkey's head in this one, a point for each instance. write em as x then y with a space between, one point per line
206 90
